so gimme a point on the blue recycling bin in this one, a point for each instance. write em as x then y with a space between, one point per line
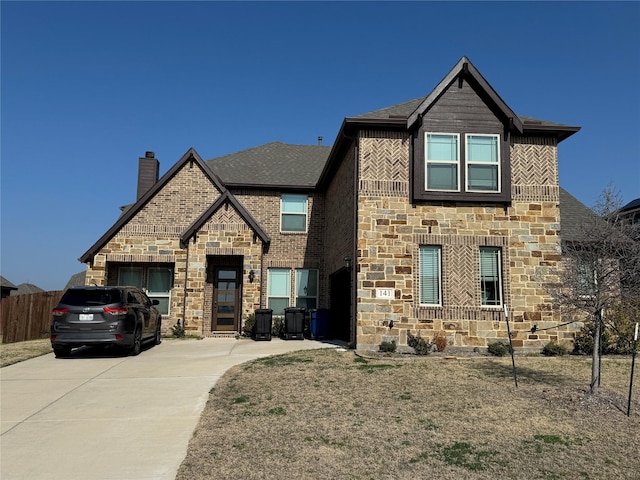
318 323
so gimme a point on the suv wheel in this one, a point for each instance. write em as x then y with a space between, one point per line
137 343
62 352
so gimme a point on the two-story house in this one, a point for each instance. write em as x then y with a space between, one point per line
428 216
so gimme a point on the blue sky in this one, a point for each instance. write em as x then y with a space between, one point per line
88 87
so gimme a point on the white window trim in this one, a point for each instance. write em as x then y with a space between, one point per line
306 213
269 296
467 162
443 162
439 304
500 278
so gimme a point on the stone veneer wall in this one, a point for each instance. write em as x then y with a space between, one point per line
390 231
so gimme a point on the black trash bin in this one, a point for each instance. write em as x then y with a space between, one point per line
294 323
262 326
318 323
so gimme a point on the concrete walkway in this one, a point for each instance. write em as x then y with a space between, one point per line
96 416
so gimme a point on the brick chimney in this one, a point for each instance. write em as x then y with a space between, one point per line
148 168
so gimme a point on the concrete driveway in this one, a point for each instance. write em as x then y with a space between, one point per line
96 416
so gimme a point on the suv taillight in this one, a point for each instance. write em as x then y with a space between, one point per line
60 311
115 311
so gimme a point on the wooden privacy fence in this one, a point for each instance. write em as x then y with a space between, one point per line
27 317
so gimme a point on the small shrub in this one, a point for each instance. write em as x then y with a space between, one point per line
277 326
498 349
419 344
178 330
622 320
388 346
583 340
247 327
553 349
440 341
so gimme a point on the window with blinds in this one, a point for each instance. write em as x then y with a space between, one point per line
491 276
430 275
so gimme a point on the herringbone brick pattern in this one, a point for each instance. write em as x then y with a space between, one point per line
534 169
460 269
384 163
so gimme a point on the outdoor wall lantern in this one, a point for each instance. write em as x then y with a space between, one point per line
347 263
252 276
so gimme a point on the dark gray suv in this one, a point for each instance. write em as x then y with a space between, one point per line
122 316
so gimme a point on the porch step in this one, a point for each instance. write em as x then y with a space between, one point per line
223 334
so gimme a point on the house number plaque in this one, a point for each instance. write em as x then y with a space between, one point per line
384 293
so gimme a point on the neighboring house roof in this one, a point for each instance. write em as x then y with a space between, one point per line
632 205
27 288
76 280
274 165
6 284
574 215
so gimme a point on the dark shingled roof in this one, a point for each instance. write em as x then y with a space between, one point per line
275 164
76 280
407 108
27 288
4 283
631 205
573 217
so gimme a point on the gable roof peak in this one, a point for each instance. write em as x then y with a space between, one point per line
464 69
191 155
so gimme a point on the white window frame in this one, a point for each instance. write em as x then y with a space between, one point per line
428 161
305 295
284 212
469 163
438 249
270 294
499 281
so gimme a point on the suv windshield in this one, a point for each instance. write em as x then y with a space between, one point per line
85 298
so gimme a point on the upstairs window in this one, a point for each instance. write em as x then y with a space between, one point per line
491 276
463 166
483 163
443 153
293 210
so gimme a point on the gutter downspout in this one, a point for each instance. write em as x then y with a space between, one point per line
354 246
184 298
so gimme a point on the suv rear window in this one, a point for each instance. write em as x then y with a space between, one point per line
85 298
